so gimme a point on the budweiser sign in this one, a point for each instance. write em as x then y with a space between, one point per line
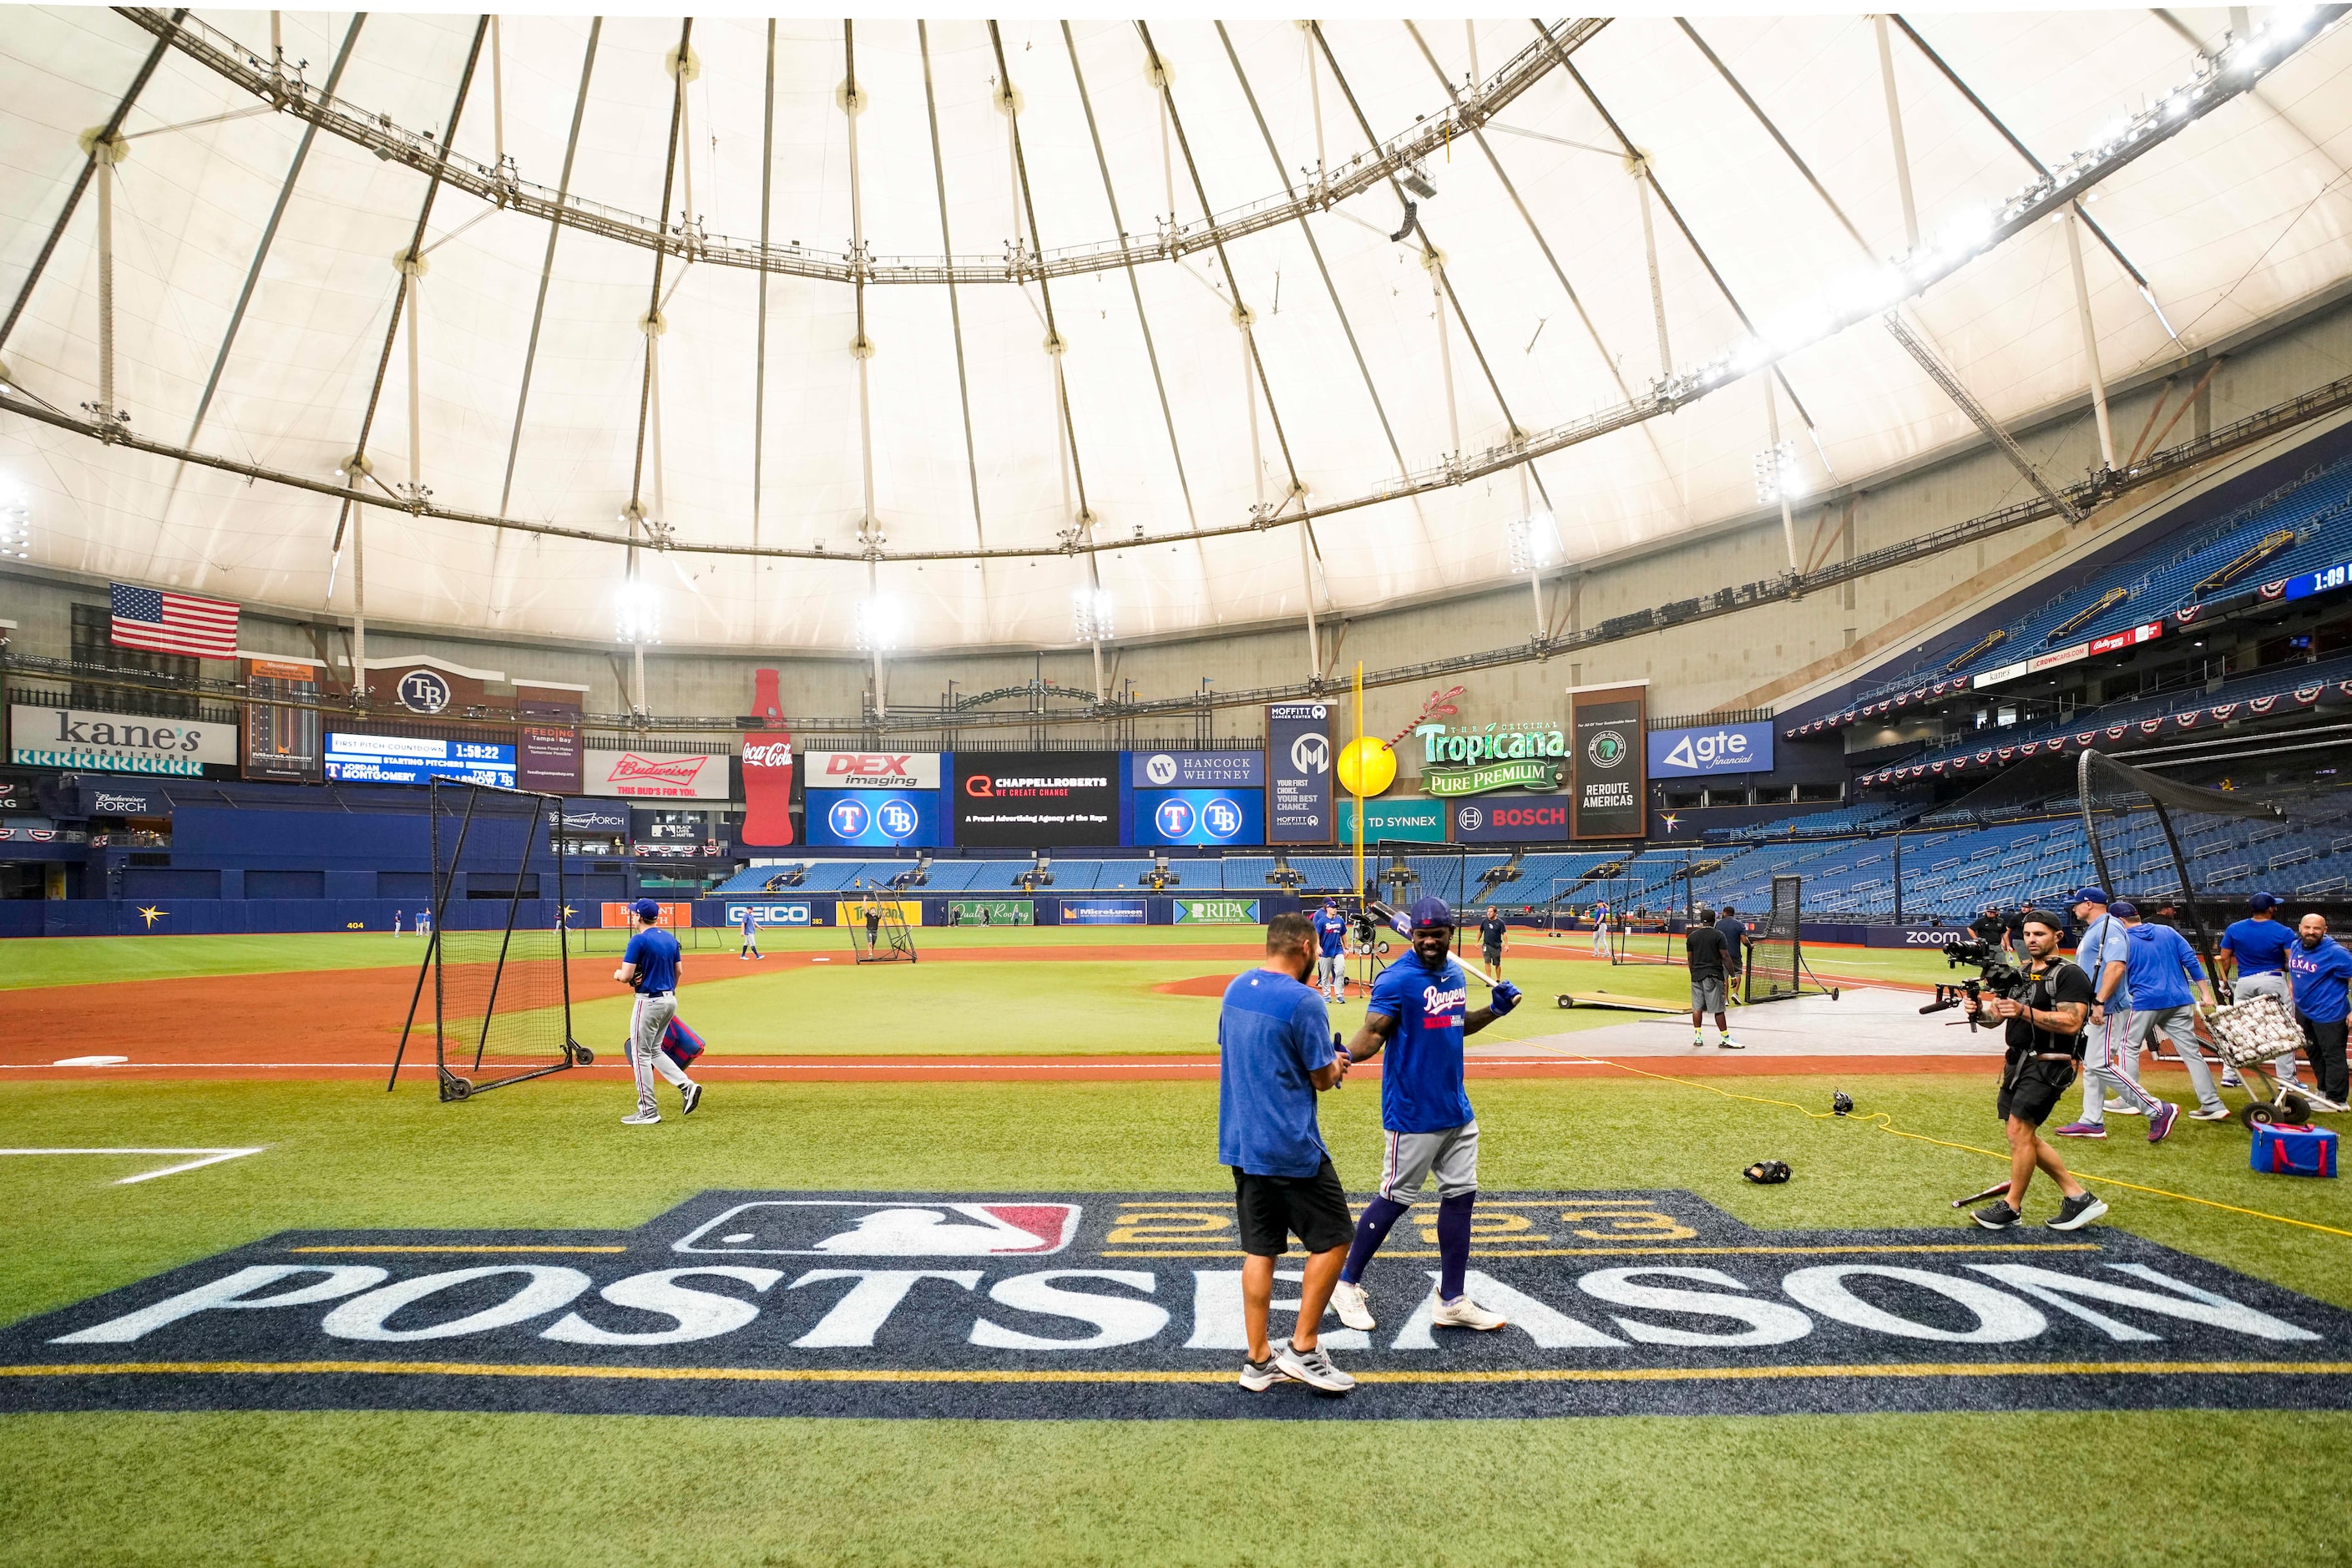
638 776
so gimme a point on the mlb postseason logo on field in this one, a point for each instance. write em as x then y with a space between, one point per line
1129 1306
1216 911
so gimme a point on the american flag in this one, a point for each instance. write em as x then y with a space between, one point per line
164 622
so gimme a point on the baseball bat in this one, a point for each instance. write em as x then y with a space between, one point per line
1998 1189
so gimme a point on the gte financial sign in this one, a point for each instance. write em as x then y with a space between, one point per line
1129 1305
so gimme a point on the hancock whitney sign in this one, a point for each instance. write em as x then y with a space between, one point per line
1129 1305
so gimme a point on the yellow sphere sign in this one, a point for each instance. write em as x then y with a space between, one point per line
1367 766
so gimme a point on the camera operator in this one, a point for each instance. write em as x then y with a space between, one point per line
2045 1047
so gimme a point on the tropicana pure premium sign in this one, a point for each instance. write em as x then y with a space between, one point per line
1499 756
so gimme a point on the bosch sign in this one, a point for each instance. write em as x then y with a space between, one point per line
1714 749
1511 820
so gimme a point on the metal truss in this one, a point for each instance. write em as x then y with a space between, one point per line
226 57
1941 374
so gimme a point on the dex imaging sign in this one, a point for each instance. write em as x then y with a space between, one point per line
1712 748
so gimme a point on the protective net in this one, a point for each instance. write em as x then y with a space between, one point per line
1776 956
878 931
494 989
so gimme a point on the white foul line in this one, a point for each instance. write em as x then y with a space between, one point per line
211 1157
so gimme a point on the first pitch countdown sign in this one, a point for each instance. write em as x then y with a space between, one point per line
1129 1305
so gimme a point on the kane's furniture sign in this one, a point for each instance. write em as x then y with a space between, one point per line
655 775
1719 749
1036 799
1299 758
78 740
356 758
1129 1306
1606 801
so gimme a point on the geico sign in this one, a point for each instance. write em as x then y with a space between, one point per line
1705 751
769 914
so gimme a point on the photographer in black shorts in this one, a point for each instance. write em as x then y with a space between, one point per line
2044 1024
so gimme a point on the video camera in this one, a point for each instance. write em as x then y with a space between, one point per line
1995 974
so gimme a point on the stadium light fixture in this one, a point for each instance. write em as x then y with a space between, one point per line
1092 615
1779 475
879 619
1534 541
636 613
15 525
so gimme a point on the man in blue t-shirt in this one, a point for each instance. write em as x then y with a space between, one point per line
2109 1062
1420 1011
649 966
751 949
2320 969
1331 940
2162 967
1275 1055
2256 948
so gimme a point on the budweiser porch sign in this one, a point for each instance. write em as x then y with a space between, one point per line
655 775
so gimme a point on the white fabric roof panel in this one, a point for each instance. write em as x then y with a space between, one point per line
2235 220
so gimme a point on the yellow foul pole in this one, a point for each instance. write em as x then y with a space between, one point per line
1359 776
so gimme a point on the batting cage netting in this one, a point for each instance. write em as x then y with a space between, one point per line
878 931
494 990
1776 968
2159 839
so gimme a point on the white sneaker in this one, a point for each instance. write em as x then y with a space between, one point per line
1257 1377
1728 1043
1312 1368
1462 1312
1349 1302
2210 1113
2123 1107
690 1092
641 1119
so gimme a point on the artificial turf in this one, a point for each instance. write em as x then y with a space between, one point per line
422 1487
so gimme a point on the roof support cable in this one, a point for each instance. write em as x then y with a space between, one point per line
851 100
1942 375
1895 141
1433 261
2090 340
497 98
1650 179
1315 249
1638 167
955 306
1010 101
2139 280
1517 435
1781 474
538 313
106 136
1535 549
357 469
653 296
106 411
1608 361
1314 104
759 341
1135 288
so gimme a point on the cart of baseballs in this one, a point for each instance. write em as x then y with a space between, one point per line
2252 1036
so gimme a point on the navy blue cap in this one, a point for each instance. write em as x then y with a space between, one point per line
1430 912
646 910
2125 908
2261 904
2090 895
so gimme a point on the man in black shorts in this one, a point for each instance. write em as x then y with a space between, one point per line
2046 1050
1490 941
1276 1054
1704 948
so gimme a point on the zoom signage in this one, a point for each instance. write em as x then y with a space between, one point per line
1030 800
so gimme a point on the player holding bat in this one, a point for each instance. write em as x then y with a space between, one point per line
1420 1011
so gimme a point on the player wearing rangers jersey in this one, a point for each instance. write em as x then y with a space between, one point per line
1330 941
1420 1011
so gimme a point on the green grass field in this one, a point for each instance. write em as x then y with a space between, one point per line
420 1486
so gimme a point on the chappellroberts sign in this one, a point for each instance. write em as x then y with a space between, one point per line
1129 1306
1717 749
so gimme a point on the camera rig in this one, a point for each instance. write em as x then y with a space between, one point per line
1995 974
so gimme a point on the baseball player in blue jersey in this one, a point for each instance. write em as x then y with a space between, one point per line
1420 1011
1330 940
750 936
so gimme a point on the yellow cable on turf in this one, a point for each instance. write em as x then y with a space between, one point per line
1886 1123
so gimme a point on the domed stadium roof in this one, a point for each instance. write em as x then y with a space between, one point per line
1488 276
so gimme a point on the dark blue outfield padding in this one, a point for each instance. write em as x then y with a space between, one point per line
1129 1306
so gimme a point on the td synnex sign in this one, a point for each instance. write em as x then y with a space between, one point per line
1720 749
